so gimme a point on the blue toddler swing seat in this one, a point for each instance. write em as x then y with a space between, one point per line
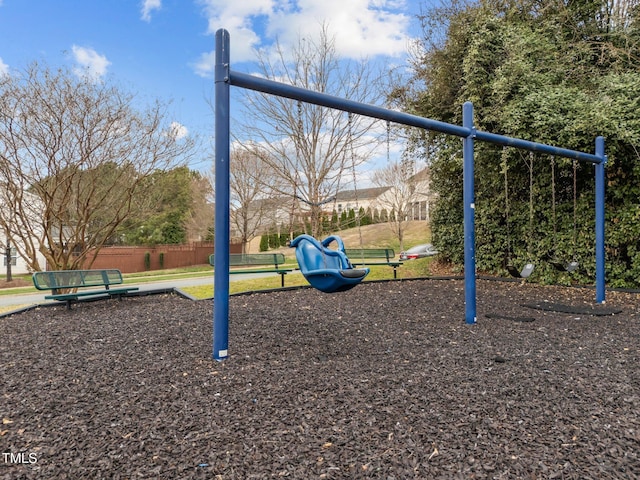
325 269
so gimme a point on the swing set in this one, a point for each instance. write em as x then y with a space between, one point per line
527 270
225 77
551 257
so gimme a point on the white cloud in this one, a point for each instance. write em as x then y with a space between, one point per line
177 131
4 68
238 17
147 7
205 65
362 28
89 63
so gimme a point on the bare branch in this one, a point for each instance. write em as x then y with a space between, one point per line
74 156
307 146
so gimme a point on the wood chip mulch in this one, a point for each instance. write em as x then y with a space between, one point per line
384 381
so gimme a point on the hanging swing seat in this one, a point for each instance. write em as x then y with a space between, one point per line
527 270
571 266
562 266
326 269
524 273
565 266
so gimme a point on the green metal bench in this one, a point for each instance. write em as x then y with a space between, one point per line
357 257
256 259
64 284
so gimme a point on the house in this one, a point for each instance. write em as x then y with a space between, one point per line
416 204
423 197
12 223
366 198
265 215
19 265
278 213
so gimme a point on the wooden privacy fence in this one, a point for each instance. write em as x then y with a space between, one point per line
158 257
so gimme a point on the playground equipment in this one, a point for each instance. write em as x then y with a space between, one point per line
527 270
325 269
225 77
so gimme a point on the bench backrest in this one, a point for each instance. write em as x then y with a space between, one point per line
244 259
61 279
355 253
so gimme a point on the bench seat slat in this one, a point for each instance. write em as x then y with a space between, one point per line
111 292
357 257
256 259
261 270
386 253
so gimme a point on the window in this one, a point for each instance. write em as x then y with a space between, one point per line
14 256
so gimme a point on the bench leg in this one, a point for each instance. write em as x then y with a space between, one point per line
395 273
282 279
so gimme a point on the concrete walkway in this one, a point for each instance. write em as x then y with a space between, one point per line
38 298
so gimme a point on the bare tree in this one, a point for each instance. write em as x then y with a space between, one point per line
74 157
398 199
199 224
617 14
249 180
309 147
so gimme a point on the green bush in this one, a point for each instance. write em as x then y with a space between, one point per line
264 243
512 64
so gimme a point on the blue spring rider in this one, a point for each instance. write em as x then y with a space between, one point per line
325 269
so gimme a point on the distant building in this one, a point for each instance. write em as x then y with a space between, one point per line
19 264
424 196
279 213
367 198
381 199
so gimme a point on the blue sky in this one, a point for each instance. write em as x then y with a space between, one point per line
164 48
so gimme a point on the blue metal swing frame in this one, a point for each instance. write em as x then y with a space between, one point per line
225 77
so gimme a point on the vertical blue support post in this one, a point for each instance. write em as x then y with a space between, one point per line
221 245
600 221
469 216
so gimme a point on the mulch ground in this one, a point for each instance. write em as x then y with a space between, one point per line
384 381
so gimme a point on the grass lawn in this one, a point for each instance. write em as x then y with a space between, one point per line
411 269
373 236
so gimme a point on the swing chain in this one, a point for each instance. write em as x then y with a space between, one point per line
505 168
575 208
355 179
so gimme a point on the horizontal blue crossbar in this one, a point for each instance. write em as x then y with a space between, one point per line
537 147
317 98
296 93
